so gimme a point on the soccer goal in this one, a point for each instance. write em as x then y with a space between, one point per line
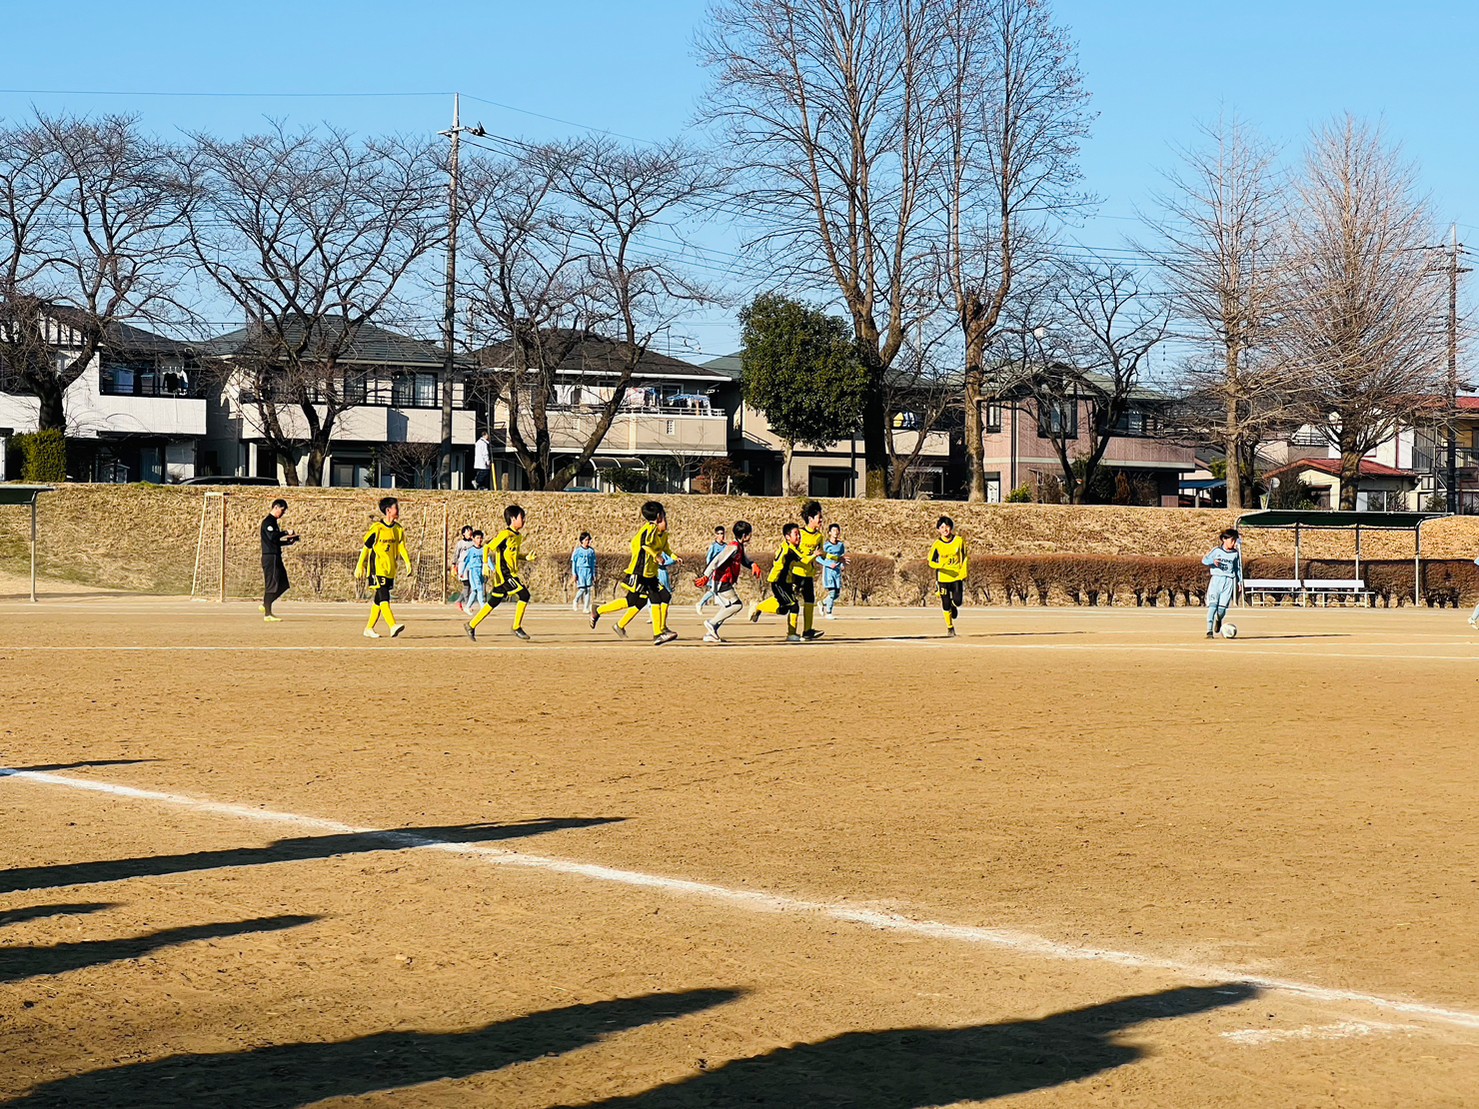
209 579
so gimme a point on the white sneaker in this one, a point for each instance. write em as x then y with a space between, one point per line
710 637
712 629
792 637
699 608
371 633
395 631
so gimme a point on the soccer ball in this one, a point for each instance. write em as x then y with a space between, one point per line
1229 631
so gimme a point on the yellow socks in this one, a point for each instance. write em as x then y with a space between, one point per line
518 614
481 616
374 615
769 605
614 606
659 619
949 620
389 616
627 617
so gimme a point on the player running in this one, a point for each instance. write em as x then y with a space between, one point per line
502 561
720 575
950 562
642 587
783 599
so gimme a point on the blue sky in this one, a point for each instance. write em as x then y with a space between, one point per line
1155 69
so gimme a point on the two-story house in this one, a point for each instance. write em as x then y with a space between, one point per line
386 398
670 419
137 412
1020 428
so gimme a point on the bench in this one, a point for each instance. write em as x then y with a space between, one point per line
1323 589
1275 588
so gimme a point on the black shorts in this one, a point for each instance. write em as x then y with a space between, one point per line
806 589
510 587
382 587
274 575
785 597
641 591
952 593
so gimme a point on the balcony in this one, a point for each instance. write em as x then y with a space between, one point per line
664 430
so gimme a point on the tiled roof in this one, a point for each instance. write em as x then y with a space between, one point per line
596 354
370 344
1331 466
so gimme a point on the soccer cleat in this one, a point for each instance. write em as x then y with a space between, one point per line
829 616
710 637
812 633
792 637
1211 635
263 610
595 619
621 632
371 633
270 619
712 629
521 633
1216 625
699 608
395 631
949 633
666 637
754 614
472 632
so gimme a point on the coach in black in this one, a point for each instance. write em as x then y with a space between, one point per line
274 573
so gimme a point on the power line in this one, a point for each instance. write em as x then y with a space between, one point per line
238 95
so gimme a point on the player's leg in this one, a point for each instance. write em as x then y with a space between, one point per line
944 590
730 605
521 597
383 593
808 598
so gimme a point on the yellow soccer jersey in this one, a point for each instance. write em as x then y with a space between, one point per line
648 547
384 543
784 567
811 542
949 559
501 558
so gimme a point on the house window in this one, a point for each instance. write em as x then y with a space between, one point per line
828 483
1136 422
356 389
1057 419
993 417
410 390
352 473
672 427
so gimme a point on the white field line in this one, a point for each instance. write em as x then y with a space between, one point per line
1340 1030
1021 943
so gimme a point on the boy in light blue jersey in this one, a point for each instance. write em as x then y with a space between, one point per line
715 549
470 570
1226 563
583 573
835 552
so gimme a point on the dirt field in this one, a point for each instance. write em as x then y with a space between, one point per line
1075 857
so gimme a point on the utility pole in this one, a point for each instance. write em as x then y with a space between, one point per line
1452 475
449 304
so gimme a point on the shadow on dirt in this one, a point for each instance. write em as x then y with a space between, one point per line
6 771
41 912
19 963
297 1074
909 1068
283 851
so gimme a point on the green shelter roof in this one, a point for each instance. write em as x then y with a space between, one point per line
1336 521
22 494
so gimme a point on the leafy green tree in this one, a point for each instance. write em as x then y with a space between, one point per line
801 368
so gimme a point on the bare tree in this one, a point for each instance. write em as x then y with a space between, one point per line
1013 110
1079 349
1222 251
825 107
92 217
570 257
310 236
921 394
1362 323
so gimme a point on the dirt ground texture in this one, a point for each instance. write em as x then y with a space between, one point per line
1073 857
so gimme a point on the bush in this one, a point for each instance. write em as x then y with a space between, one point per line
919 576
45 456
1020 495
866 575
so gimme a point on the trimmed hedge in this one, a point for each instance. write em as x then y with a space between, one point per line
45 456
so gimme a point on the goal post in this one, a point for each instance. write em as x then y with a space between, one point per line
210 547
27 495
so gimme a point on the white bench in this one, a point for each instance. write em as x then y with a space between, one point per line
1273 587
1322 589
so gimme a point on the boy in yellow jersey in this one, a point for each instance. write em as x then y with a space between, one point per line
951 563
783 600
649 546
805 572
502 561
384 542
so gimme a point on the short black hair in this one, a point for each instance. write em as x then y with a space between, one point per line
476 534
280 503
510 512
944 521
741 529
386 503
583 536
834 526
811 510
466 528
652 511
790 527
1230 533
718 527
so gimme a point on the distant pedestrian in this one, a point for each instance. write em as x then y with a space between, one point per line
482 463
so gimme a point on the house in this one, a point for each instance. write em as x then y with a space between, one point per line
1018 428
1381 488
1430 457
137 412
670 421
386 390
834 471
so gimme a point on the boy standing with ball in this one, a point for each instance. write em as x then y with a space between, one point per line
1226 563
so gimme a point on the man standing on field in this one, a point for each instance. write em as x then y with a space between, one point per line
274 573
